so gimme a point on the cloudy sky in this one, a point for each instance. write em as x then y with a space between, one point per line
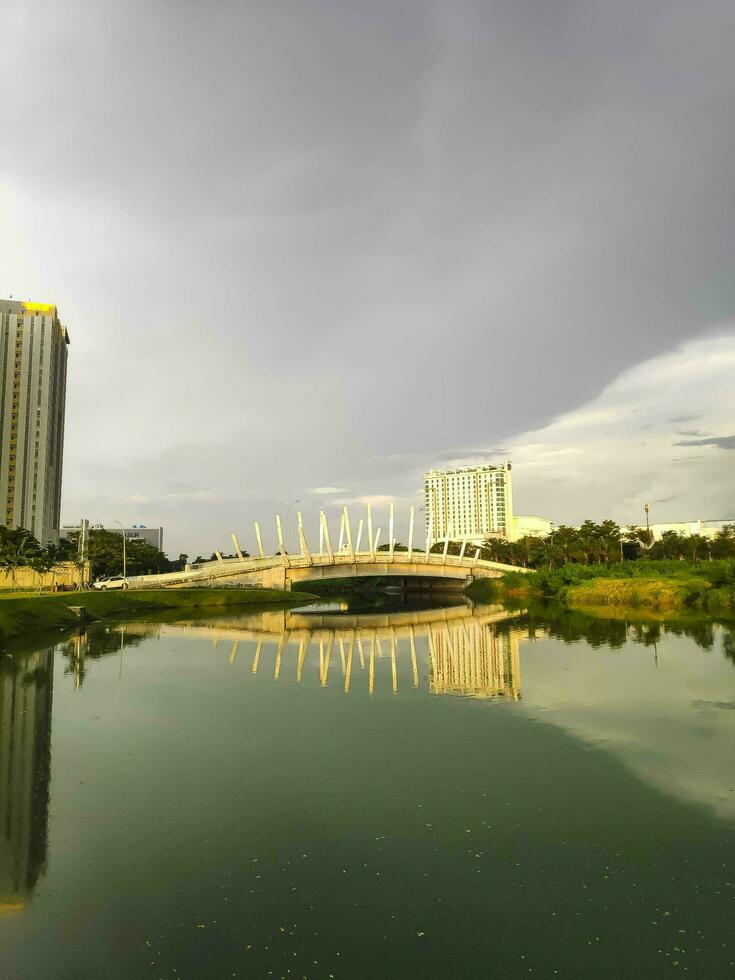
307 249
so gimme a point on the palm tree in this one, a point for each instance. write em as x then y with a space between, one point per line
41 565
609 533
16 554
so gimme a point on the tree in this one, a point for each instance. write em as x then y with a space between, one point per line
41 564
723 545
17 548
106 554
670 545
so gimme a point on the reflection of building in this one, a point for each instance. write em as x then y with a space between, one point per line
475 660
33 358
26 691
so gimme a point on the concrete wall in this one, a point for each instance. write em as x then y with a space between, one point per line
65 573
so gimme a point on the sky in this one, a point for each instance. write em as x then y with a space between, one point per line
306 250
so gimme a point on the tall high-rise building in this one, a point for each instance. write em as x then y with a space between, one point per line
473 502
33 356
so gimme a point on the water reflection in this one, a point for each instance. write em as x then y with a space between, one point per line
26 693
457 650
614 628
83 646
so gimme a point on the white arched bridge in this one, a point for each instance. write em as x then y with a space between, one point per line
347 560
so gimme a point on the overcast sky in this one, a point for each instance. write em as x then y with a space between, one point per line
306 250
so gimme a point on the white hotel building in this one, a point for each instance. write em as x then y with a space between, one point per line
471 502
475 503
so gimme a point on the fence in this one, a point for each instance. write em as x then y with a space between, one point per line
65 575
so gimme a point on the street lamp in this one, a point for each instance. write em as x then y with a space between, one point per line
125 553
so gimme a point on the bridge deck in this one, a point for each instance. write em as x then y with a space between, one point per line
363 563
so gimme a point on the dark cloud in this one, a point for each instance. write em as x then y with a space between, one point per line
312 235
722 442
498 455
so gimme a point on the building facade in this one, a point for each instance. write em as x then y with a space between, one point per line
473 502
137 532
708 529
33 359
531 526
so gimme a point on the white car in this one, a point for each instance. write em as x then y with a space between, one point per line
113 582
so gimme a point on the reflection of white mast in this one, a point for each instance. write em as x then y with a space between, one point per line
464 652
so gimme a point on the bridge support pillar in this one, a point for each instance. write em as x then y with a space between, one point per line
276 578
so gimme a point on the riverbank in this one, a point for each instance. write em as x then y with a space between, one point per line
662 586
24 614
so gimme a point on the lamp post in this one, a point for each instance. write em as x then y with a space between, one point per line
125 553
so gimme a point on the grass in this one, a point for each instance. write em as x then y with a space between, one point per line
659 585
651 593
21 614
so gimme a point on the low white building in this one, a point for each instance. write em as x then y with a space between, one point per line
532 526
708 529
136 532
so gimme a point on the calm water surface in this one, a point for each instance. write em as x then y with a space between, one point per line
448 793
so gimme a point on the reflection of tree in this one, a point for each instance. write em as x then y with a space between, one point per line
703 633
26 692
94 645
728 644
573 626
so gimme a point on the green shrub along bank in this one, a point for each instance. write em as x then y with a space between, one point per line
23 614
662 585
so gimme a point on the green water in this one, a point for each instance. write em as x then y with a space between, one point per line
439 794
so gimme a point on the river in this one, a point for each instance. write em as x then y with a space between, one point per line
339 793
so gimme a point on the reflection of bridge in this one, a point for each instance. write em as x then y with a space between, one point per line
459 650
283 570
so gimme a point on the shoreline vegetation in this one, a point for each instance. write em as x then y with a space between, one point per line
24 614
663 586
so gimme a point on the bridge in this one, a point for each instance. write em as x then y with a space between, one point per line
347 560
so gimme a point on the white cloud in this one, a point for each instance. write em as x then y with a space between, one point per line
327 491
648 709
630 445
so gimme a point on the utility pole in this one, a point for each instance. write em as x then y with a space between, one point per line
647 509
125 553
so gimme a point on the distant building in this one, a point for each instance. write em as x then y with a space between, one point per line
137 532
33 357
473 502
708 529
476 503
531 526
